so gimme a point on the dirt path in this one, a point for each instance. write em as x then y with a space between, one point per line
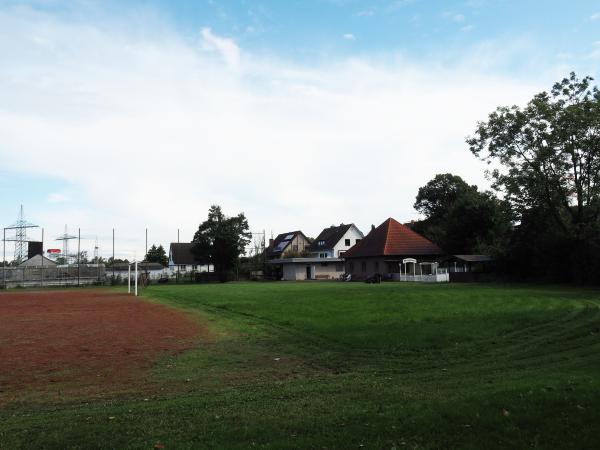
84 342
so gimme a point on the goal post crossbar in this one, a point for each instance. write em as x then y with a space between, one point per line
135 264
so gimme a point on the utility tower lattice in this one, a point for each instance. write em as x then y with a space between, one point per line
20 228
96 248
66 237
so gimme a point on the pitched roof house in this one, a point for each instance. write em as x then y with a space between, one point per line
326 252
287 243
390 249
38 261
334 241
182 259
152 269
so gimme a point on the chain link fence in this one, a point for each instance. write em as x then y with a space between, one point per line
47 276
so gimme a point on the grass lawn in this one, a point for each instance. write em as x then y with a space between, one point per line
350 365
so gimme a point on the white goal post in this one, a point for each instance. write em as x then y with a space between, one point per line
135 264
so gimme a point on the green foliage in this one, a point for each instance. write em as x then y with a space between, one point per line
221 240
110 262
83 257
547 156
157 255
459 218
297 254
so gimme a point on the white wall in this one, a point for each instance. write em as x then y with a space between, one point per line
353 234
189 268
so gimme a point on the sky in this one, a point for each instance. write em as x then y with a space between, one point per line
301 114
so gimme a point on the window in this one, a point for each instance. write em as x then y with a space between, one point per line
195 267
182 267
347 242
363 266
357 241
282 245
294 248
321 243
322 255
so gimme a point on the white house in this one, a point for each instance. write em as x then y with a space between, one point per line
182 260
153 271
327 260
334 241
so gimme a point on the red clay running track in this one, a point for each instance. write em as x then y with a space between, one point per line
84 340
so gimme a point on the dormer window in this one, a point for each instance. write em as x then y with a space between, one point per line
321 243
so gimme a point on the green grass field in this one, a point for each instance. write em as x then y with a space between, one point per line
350 365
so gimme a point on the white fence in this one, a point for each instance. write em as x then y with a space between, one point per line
434 278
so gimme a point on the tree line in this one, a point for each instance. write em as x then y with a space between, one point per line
542 218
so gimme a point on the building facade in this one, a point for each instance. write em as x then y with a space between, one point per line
334 241
182 260
395 252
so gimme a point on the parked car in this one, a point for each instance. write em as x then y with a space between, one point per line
376 278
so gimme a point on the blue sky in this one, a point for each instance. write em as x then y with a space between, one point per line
298 113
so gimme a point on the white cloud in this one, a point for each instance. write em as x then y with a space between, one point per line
366 13
57 197
458 18
595 16
349 37
227 48
153 131
467 28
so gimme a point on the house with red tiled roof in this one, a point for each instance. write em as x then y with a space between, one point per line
396 252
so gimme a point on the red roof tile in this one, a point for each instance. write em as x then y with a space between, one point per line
391 238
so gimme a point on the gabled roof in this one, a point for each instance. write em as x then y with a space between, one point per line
331 236
181 254
282 241
391 238
36 261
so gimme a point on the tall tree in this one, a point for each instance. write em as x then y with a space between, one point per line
221 240
547 157
157 255
460 218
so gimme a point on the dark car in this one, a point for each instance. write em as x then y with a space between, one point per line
376 278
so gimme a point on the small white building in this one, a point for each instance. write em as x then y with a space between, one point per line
38 261
182 260
152 270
